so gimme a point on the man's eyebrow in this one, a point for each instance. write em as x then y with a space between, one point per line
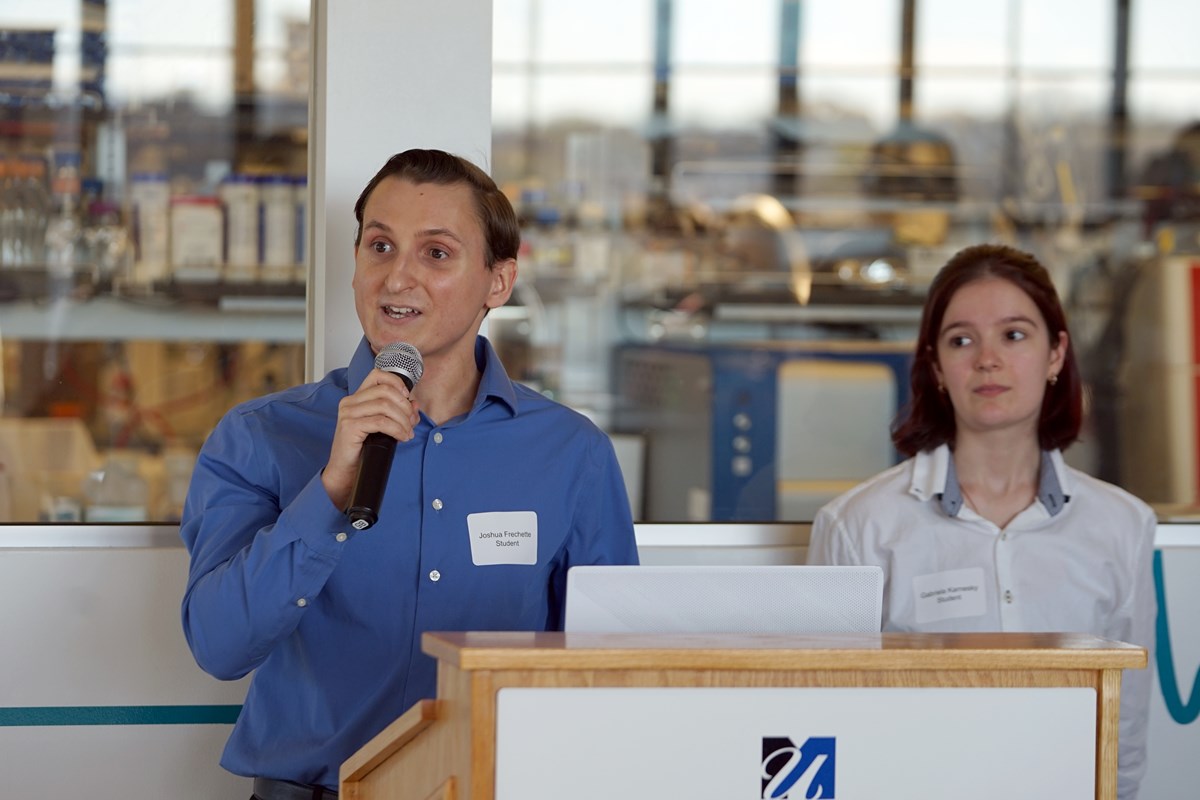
441 232
382 226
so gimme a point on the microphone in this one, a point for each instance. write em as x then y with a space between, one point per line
375 460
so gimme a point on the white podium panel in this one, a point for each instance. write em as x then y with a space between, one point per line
840 743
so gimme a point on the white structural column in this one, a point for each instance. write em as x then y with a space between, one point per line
387 75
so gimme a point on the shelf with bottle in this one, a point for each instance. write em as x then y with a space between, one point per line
131 273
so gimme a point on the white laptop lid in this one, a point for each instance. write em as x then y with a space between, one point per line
724 599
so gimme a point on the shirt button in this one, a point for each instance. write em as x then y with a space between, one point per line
302 602
437 438
1003 536
437 504
435 576
341 537
1008 595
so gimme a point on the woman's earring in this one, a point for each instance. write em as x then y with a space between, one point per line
941 387
1052 380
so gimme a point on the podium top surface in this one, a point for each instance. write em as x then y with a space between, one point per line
853 651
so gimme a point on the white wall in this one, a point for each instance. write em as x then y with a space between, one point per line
99 695
91 627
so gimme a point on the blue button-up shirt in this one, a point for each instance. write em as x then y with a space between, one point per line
331 619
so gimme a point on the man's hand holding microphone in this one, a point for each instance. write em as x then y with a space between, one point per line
370 422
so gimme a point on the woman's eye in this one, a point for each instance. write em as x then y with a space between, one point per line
438 253
1016 335
960 341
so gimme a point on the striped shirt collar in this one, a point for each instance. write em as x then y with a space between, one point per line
935 477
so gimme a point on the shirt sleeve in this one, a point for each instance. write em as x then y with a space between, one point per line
255 566
603 530
828 542
604 511
1135 624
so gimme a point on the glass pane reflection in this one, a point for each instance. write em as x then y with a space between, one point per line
135 137
728 243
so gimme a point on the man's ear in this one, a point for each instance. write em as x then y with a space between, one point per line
504 276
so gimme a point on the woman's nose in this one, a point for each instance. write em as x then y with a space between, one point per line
987 359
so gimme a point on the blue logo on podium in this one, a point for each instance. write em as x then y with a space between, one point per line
798 773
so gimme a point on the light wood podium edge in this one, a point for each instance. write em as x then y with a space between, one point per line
559 651
384 744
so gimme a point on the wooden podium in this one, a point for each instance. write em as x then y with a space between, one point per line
450 748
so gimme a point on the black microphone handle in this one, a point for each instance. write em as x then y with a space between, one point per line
375 462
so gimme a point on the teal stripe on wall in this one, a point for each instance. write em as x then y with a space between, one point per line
40 716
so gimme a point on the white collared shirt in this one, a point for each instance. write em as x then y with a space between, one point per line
1085 568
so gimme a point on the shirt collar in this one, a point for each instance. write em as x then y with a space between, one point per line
494 383
362 362
934 476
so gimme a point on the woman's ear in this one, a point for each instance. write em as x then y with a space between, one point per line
1058 355
935 368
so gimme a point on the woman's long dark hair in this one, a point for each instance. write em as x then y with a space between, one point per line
928 419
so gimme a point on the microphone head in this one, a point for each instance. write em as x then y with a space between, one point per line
402 359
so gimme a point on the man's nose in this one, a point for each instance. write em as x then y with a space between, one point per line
400 271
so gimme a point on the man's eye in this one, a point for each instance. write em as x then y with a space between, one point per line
381 247
438 253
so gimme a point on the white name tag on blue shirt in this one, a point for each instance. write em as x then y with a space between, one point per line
503 537
951 594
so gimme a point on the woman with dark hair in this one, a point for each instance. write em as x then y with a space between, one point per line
985 527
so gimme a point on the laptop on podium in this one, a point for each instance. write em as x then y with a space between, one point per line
724 599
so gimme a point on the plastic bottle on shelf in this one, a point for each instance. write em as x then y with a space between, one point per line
63 231
278 209
24 207
196 225
115 492
34 197
240 195
8 196
150 197
107 241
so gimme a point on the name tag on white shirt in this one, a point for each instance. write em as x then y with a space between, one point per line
949 595
503 537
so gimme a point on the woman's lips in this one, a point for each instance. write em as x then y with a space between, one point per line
991 390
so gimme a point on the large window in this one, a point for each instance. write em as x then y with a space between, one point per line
730 214
152 167
732 210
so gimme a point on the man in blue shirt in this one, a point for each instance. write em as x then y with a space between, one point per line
330 618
